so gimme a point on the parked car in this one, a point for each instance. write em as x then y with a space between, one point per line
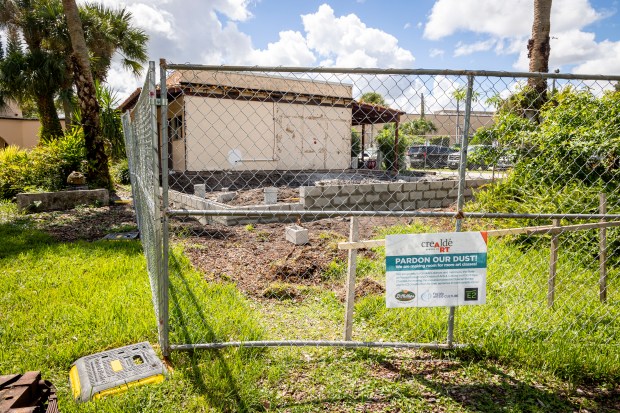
429 156
482 157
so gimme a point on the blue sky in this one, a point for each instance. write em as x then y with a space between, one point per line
451 34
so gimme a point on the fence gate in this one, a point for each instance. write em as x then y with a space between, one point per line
279 185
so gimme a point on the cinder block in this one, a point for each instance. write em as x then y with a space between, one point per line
410 205
396 187
380 187
410 186
413 196
296 234
370 198
447 202
423 204
441 194
226 196
401 196
271 195
436 185
316 203
331 190
348 189
310 191
365 189
435 203
429 195
200 190
339 200
449 184
423 186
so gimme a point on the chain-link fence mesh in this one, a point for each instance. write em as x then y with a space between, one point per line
142 146
266 168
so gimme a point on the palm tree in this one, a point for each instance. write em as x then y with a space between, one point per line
460 94
31 73
107 32
373 98
97 171
539 49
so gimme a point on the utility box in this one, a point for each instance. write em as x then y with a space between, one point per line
115 371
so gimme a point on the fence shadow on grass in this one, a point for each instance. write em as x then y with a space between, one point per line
214 379
503 393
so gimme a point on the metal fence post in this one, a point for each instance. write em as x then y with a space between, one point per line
164 280
460 201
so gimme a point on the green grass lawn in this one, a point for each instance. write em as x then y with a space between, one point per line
62 301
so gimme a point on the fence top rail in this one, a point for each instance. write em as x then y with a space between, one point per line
415 213
540 230
378 71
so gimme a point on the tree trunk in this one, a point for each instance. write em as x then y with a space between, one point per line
539 48
50 123
97 172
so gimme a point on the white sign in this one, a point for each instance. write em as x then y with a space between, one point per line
434 270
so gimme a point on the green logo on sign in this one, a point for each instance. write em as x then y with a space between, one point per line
404 295
471 294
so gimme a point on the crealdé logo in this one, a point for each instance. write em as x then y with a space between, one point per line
405 295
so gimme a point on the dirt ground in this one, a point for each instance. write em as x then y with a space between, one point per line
256 257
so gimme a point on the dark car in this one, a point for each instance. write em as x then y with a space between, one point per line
482 157
429 156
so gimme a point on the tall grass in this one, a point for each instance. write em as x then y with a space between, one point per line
577 339
62 301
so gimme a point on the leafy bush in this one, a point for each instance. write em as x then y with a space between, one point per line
386 142
14 171
45 167
356 143
120 172
562 163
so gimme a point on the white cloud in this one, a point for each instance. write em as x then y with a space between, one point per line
607 60
407 26
436 52
504 18
508 25
464 49
152 19
206 32
290 50
349 42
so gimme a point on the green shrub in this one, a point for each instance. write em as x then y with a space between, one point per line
15 171
53 161
120 172
44 168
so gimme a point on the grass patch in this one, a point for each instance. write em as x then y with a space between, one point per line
576 340
62 301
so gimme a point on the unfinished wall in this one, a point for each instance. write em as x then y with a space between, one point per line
395 196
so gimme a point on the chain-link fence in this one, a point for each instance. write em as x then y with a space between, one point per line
283 185
142 146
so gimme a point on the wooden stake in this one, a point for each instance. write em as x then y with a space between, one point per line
350 287
602 264
553 263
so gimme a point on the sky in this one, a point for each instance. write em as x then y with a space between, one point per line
442 34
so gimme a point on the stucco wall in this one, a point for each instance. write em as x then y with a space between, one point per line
20 132
227 134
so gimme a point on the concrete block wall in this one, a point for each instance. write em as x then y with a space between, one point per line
188 201
395 196
62 200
